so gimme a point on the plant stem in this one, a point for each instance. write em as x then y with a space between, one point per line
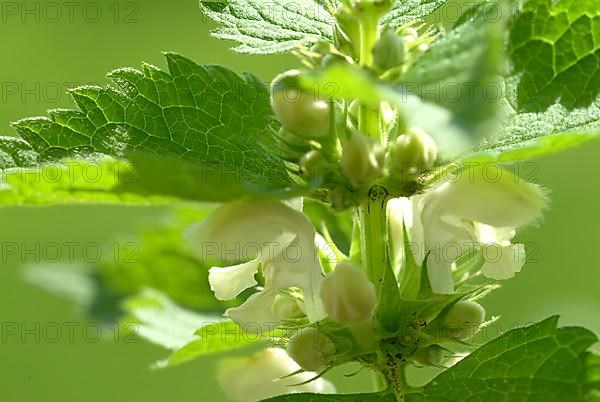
372 213
368 37
368 121
373 224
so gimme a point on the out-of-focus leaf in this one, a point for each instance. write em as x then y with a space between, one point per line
264 27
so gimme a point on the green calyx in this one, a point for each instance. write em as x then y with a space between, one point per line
431 355
311 349
463 320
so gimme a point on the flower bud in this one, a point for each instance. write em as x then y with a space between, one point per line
389 51
362 159
413 152
346 31
298 111
310 349
370 8
313 166
463 320
286 308
348 296
431 355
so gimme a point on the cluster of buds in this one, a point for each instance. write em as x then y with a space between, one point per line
323 139
307 126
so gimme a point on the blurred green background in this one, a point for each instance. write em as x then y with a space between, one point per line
44 53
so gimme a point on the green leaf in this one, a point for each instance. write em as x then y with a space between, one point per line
409 10
536 363
510 149
157 257
555 53
79 284
216 337
262 27
154 257
16 152
162 322
410 272
193 133
460 72
552 85
189 334
334 398
102 180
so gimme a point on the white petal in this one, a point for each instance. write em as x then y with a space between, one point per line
486 234
399 217
492 196
296 203
228 282
259 377
299 266
440 276
296 267
503 262
289 258
256 315
477 208
242 231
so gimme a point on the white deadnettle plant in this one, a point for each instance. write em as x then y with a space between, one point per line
353 154
384 104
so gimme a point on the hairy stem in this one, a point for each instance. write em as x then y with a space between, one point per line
373 223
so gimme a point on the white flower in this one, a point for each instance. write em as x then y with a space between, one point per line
270 235
260 377
478 210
